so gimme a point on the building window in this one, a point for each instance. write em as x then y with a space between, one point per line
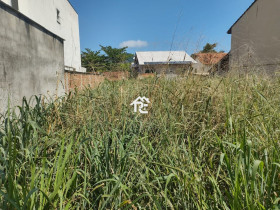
15 4
58 19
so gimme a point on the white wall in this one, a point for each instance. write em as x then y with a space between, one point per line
9 2
44 12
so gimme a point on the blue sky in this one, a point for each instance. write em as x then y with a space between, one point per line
157 24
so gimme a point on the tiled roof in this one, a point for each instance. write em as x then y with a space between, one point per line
209 58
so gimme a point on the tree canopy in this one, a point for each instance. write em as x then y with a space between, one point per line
106 59
93 60
209 48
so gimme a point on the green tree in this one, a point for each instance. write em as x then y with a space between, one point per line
117 58
94 61
209 48
116 55
107 59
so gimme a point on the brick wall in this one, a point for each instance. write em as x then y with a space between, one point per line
117 75
81 80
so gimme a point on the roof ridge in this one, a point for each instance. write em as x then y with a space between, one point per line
164 51
229 31
211 53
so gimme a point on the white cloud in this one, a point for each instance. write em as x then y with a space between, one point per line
134 44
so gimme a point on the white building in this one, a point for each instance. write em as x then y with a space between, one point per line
59 17
162 62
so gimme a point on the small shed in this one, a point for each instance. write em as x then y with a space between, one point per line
162 62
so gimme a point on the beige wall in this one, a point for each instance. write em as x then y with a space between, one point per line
201 68
256 37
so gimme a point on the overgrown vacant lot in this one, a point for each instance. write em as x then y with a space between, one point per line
207 143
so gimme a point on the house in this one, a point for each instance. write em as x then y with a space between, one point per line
255 37
162 62
39 39
207 62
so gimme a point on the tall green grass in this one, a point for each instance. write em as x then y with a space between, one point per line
207 143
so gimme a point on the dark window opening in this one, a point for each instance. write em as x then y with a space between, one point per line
15 4
58 16
147 71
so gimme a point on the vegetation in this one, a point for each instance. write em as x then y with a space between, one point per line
107 59
207 143
210 48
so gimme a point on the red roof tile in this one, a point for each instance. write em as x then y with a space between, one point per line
209 58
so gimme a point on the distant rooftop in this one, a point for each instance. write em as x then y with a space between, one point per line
164 57
209 58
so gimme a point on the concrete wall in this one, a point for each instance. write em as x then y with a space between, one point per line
31 58
200 68
256 37
9 2
44 12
